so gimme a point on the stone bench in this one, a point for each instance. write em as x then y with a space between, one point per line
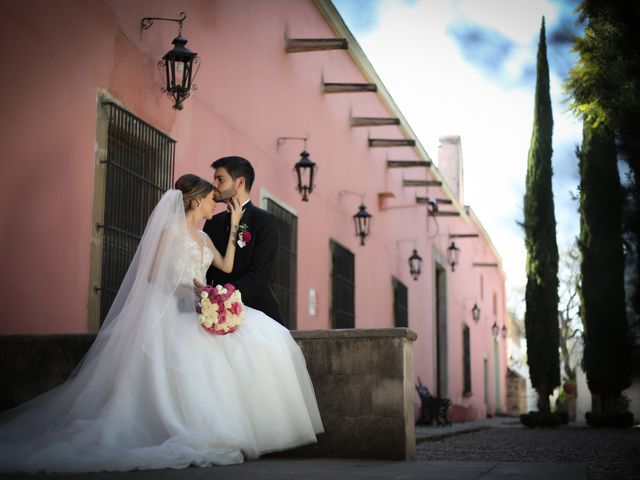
362 379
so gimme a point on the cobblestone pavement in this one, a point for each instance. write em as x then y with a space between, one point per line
609 453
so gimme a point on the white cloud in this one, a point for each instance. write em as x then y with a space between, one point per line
516 19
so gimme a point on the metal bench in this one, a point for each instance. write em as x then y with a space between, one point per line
432 408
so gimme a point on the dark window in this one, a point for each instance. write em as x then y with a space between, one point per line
466 360
342 287
285 275
139 170
400 303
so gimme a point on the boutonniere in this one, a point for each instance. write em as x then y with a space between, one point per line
244 235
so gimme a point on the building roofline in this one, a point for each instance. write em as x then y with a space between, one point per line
337 24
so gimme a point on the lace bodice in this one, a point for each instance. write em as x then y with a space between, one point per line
199 259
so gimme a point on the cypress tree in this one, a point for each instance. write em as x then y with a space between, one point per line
607 349
605 88
541 316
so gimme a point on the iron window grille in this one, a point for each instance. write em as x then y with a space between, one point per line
139 169
285 282
400 303
342 286
466 360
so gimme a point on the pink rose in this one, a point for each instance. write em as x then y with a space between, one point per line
230 288
236 308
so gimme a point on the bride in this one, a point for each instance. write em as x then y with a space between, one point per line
156 390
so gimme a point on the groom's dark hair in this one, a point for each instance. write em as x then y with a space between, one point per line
237 167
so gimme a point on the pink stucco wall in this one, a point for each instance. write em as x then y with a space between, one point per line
249 93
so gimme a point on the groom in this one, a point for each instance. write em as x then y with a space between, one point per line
258 237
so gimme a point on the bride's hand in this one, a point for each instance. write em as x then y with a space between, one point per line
236 211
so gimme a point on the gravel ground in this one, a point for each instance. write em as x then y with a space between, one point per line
609 453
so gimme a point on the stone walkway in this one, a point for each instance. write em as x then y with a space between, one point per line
489 449
608 453
342 469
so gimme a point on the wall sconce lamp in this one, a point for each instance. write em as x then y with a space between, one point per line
415 260
475 312
362 219
177 63
452 253
503 331
305 169
415 264
495 330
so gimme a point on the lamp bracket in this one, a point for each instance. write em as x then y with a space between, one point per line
402 240
349 192
146 22
281 140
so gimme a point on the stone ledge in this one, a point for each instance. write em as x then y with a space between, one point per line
362 379
356 333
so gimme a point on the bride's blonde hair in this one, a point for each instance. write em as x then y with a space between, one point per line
193 188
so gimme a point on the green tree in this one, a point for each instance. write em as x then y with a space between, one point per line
605 89
541 316
607 352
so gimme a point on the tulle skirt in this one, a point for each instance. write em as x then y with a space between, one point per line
170 397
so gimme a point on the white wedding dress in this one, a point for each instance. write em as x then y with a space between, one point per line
156 390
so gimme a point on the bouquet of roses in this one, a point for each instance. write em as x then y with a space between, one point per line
222 309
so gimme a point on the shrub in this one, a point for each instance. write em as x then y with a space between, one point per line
544 419
610 420
564 416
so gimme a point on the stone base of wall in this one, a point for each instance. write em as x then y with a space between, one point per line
362 380
516 393
461 413
33 364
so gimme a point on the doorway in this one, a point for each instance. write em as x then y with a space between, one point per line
442 368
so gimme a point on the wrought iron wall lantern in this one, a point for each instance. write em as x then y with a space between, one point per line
362 218
415 260
177 63
415 264
475 312
495 330
305 169
452 254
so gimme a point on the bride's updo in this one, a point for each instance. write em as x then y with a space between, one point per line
193 188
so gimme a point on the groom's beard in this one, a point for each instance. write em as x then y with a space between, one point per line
224 195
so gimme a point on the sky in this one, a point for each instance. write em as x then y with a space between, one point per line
468 68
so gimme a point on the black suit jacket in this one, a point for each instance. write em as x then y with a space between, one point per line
254 264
